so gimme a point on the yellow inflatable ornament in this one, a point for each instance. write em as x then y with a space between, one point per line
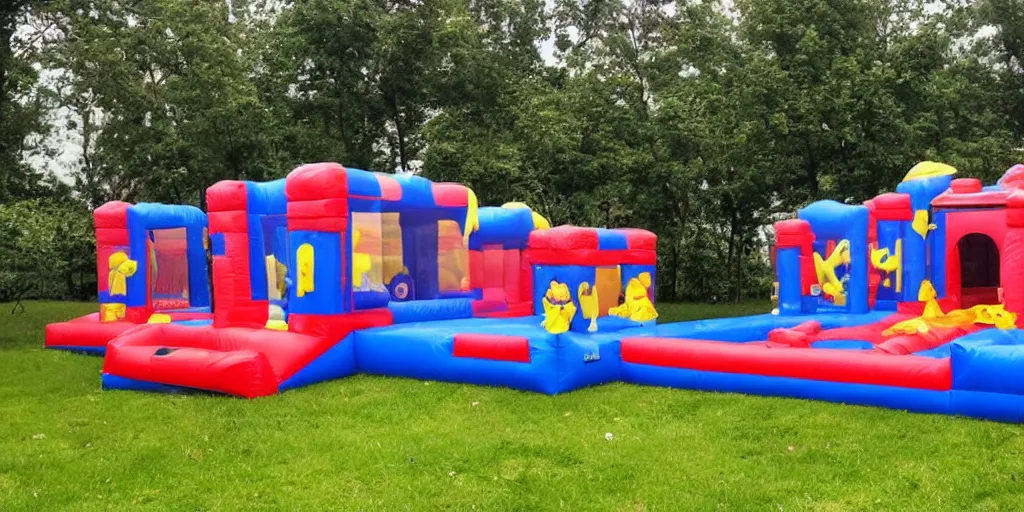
637 305
889 263
558 308
932 316
304 263
539 222
120 269
112 312
929 169
587 295
826 271
920 225
361 262
472 220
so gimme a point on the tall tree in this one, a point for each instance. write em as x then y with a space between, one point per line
21 111
163 96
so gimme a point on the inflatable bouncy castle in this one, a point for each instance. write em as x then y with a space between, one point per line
909 301
331 271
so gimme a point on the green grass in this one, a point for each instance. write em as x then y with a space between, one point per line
394 444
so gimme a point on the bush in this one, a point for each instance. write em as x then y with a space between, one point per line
48 251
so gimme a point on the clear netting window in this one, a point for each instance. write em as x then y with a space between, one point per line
168 268
452 258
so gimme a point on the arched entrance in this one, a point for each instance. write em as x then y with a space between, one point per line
979 270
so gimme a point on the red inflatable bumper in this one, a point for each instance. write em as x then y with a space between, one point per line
861 367
496 347
234 360
86 331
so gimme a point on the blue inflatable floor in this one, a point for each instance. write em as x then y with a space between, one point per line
556 363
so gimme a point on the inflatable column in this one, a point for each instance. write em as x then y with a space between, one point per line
917 242
1012 264
318 223
892 214
227 202
794 266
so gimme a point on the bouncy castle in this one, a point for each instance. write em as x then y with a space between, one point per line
908 301
331 271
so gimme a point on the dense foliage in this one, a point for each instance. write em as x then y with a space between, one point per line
703 121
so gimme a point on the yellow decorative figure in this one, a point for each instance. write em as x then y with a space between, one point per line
472 221
558 308
361 262
277 325
587 295
304 263
826 271
539 222
889 263
282 278
928 169
120 269
154 269
159 318
920 224
277 273
112 312
637 305
932 316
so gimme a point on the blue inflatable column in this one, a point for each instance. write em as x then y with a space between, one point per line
198 284
326 298
915 244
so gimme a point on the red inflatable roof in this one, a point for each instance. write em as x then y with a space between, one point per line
572 245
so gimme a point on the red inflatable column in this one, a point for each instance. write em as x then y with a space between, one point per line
1012 263
794 264
111 223
227 202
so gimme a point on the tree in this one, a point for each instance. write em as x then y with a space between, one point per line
164 99
20 109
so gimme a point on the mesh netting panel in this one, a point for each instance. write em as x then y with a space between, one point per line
168 267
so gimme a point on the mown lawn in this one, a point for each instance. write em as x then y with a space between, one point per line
367 443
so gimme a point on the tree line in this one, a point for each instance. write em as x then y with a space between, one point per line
702 120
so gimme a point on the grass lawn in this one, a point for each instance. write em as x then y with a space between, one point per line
370 443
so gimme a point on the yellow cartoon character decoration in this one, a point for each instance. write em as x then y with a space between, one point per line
304 257
120 269
587 295
922 171
825 268
472 219
889 264
277 278
361 261
558 308
920 224
539 222
636 304
932 316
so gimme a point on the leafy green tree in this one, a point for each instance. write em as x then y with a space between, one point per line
164 98
21 110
